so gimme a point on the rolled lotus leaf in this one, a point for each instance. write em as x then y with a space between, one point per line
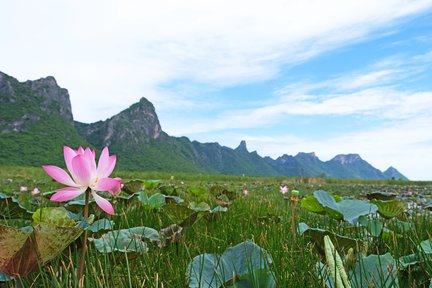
24 249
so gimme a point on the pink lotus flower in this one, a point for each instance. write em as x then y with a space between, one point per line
283 189
35 191
82 167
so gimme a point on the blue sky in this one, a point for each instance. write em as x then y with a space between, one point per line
286 76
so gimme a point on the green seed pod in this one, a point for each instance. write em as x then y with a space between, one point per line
334 262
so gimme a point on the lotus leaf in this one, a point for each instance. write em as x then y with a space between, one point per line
374 226
178 213
348 210
11 208
5 278
169 235
151 184
155 201
390 208
375 271
311 204
26 248
126 240
173 199
259 278
213 270
381 196
200 207
133 186
219 209
343 243
101 224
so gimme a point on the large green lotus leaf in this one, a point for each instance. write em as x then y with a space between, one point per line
53 215
425 247
177 213
151 184
316 235
259 278
168 189
311 204
408 260
77 206
213 271
390 208
351 209
155 201
12 243
134 186
124 196
403 226
101 224
52 239
381 196
200 193
219 209
199 207
129 240
25 249
375 271
424 251
173 199
5 278
11 208
374 226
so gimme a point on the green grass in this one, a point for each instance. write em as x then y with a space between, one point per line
263 217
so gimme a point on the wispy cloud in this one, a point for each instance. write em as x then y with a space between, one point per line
125 50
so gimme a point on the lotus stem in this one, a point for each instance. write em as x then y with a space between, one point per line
293 228
84 246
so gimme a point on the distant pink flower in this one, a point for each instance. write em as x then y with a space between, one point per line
283 189
245 192
82 167
409 193
35 191
23 188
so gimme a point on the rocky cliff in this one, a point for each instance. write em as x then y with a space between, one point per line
36 121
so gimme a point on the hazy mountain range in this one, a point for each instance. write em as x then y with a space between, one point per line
36 121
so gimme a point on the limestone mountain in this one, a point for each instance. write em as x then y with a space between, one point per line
393 173
36 121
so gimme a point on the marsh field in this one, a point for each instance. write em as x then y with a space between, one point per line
196 230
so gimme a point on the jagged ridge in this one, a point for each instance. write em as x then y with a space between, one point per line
40 110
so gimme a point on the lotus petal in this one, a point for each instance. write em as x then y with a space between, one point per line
104 204
59 175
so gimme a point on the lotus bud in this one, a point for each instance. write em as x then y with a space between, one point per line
295 192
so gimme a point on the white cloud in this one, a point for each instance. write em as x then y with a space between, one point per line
404 145
115 52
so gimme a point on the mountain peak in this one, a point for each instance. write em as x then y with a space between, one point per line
134 125
346 158
306 155
393 173
242 147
